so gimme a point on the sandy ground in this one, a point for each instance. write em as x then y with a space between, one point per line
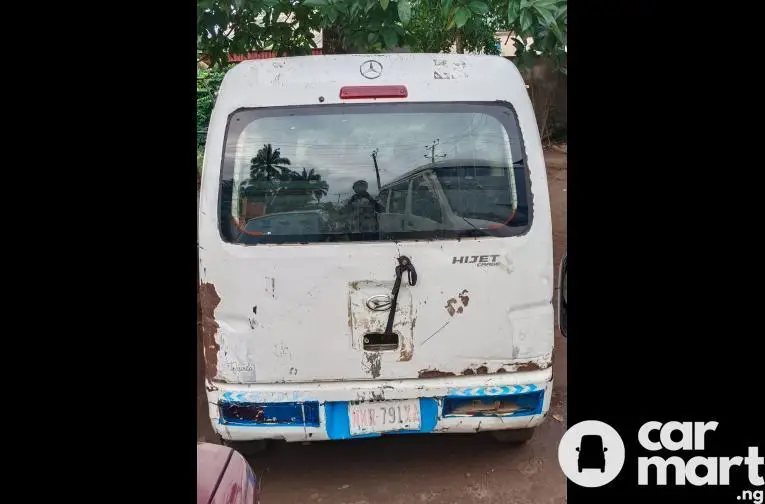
435 469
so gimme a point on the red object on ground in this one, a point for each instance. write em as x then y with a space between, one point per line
224 476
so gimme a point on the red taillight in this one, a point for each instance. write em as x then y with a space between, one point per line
360 92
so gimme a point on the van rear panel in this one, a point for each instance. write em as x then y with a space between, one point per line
299 240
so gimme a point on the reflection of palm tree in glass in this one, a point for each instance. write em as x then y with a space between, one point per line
316 185
268 164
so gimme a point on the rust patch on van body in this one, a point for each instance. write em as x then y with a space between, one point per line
528 366
434 373
450 306
208 301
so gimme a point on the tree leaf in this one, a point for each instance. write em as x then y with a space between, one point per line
390 38
513 11
461 16
558 32
526 20
478 7
548 3
546 15
384 4
315 2
561 11
404 11
446 7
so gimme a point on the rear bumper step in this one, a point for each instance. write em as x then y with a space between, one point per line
320 411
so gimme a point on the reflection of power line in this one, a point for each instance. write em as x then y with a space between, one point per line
432 149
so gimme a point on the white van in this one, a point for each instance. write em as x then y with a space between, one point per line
375 250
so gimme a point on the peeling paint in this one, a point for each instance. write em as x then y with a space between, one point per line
406 352
208 301
373 364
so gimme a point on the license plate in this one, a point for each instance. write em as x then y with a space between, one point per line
385 416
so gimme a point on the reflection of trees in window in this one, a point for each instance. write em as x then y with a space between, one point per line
314 184
274 187
268 164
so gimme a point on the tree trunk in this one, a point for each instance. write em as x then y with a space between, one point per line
332 41
459 42
543 82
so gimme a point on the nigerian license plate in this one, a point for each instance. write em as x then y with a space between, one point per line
384 416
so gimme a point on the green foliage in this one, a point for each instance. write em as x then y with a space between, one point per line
285 26
363 25
546 22
430 29
239 26
208 83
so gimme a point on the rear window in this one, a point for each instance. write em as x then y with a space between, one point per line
373 172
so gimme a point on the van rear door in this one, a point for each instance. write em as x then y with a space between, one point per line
288 304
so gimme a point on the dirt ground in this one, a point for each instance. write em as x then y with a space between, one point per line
438 468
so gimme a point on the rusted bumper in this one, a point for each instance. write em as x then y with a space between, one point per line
319 411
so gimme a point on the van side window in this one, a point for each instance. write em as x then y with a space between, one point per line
424 200
398 198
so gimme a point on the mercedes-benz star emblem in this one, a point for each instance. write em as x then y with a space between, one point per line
371 69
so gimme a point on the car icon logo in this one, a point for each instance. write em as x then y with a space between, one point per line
371 69
591 453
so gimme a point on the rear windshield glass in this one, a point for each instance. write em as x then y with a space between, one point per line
373 172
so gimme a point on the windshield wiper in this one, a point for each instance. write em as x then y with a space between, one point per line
404 264
481 231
